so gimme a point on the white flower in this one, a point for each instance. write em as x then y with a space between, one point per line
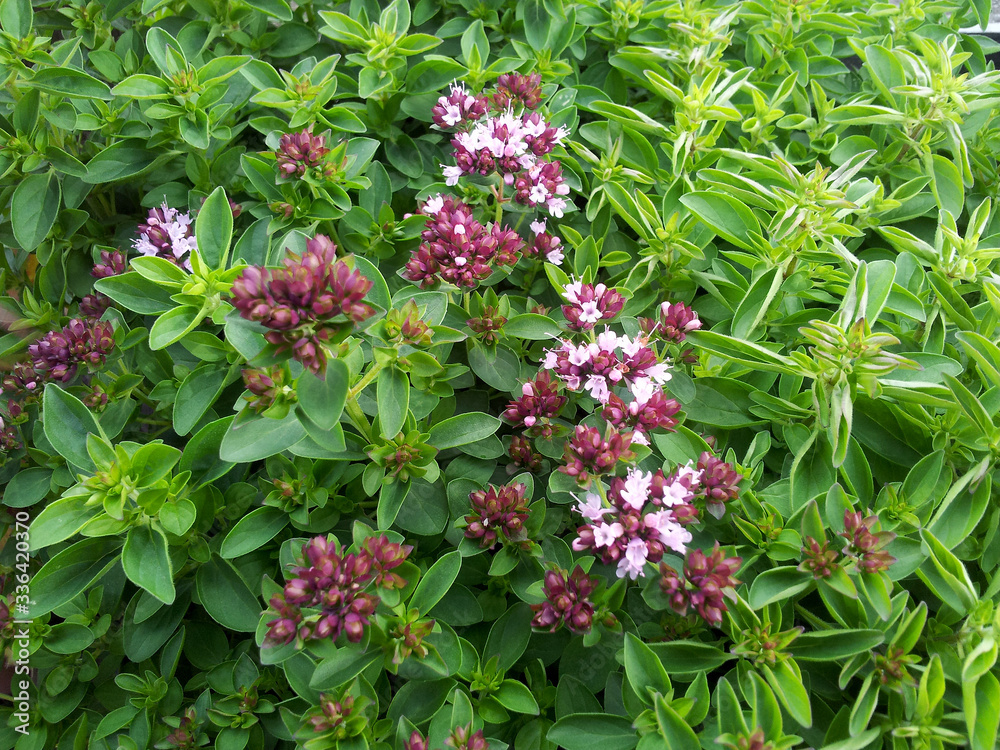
556 206
597 385
635 557
607 341
636 490
555 257
591 507
571 292
434 204
590 312
451 174
643 390
606 534
672 534
538 226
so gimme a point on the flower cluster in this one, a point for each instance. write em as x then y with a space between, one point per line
865 547
818 559
457 249
267 387
675 322
112 263
566 601
58 354
22 380
539 404
545 245
512 144
332 714
592 452
649 410
704 584
299 152
718 483
458 107
309 303
600 365
644 515
498 515
10 435
523 455
326 594
461 738
590 304
488 325
167 234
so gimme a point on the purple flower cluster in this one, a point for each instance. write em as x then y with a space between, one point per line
545 245
598 366
718 483
461 738
308 303
332 714
299 152
510 142
267 386
457 249
523 455
10 435
649 410
488 325
167 234
865 547
59 354
539 404
675 322
704 584
644 515
498 514
112 263
589 304
589 452
566 601
326 594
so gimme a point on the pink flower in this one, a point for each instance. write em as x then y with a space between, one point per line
458 107
167 234
565 601
524 89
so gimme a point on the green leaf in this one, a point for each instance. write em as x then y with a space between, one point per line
675 731
71 572
125 159
730 219
27 487
436 582
946 576
462 430
135 293
393 401
69 82
760 298
67 424
213 229
785 679
644 671
60 520
343 667
509 636
323 400
830 645
532 327
778 584
34 208
590 731
516 696
260 437
174 325
146 562
226 596
390 501
16 17
689 657
253 531
196 395
141 86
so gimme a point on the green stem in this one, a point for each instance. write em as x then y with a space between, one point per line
359 419
365 381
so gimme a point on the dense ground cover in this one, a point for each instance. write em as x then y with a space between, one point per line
495 374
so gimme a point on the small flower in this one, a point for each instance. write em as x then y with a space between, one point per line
23 380
416 742
312 301
299 152
267 386
94 305
499 514
332 714
566 601
589 304
458 107
707 578
488 326
864 546
588 452
168 234
675 322
818 559
718 483
463 738
112 263
58 354
459 250
523 455
538 405
525 90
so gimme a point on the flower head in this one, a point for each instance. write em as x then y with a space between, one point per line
865 546
168 234
589 452
566 601
706 579
458 107
498 514
518 88
312 300
58 354
589 303
299 152
537 406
